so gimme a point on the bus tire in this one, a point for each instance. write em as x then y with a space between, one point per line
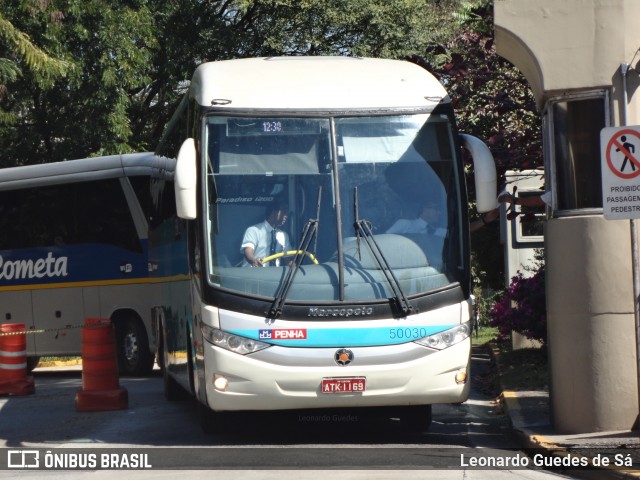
211 422
171 389
190 364
32 362
132 347
416 418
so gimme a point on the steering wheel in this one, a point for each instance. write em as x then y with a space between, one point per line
290 253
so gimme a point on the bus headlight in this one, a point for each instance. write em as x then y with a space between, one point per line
233 343
445 339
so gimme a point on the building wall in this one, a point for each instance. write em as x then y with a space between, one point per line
568 45
566 49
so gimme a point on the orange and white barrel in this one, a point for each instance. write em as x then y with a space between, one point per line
99 362
101 388
13 360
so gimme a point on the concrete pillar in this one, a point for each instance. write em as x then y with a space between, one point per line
590 325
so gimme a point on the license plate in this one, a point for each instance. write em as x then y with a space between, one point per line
343 385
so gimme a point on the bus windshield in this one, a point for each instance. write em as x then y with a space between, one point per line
355 197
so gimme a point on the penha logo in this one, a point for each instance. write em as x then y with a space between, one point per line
283 334
39 268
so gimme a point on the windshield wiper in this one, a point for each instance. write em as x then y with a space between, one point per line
309 231
363 230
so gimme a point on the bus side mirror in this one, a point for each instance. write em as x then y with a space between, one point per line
485 173
185 180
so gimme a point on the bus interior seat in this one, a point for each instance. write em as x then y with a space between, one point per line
399 251
431 245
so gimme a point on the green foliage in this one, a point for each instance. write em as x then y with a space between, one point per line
484 335
19 55
113 70
19 47
494 102
127 61
492 98
485 300
104 44
523 369
9 71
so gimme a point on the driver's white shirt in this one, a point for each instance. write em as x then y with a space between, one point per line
259 237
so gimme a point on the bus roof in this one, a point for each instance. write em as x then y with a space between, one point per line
86 169
316 84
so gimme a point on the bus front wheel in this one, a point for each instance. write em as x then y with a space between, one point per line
210 421
416 418
172 391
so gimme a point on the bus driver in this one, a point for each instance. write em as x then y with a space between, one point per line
266 238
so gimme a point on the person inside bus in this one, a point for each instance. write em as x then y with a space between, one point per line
426 221
266 238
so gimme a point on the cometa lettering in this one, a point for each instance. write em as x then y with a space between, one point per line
40 268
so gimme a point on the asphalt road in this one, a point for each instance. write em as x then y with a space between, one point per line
167 436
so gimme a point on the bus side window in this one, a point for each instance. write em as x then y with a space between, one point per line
141 186
33 217
87 212
103 216
12 232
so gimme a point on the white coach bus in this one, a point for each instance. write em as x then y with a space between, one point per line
73 245
352 286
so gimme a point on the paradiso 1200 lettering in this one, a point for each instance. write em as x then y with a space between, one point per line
340 312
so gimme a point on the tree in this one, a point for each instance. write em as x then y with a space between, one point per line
17 49
87 112
130 59
491 97
494 102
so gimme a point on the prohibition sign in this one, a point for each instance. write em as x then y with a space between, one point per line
618 144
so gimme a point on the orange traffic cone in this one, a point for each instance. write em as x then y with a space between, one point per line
100 386
13 361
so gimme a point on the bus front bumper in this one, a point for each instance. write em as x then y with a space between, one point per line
280 378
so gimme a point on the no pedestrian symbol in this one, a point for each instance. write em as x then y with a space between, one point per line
620 166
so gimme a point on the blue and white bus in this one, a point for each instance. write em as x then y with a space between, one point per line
354 166
73 245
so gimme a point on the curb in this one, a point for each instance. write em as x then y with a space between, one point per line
529 436
531 440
